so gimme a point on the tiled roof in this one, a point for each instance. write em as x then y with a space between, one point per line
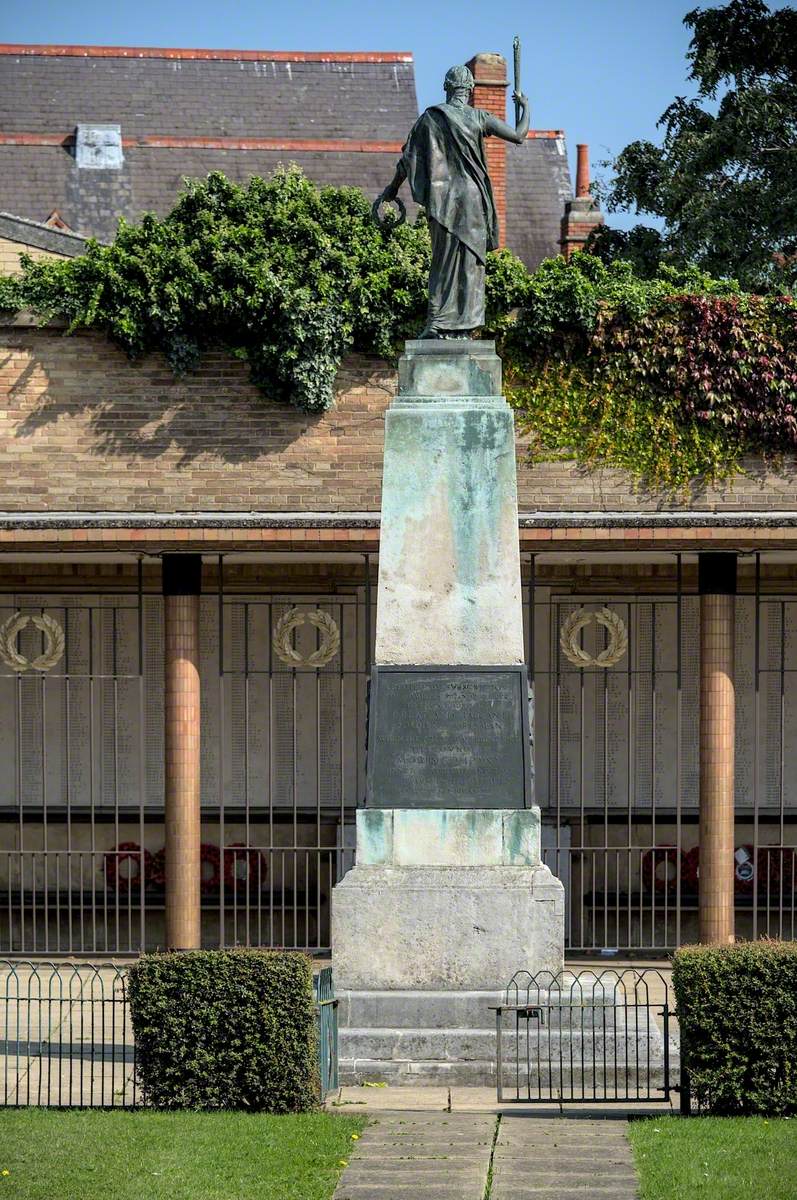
269 96
40 235
149 181
537 185
341 117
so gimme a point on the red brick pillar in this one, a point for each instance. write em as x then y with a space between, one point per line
717 588
582 214
489 72
182 577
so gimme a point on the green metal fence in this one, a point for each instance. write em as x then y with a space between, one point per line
327 1008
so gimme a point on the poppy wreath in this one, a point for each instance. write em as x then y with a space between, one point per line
690 870
744 869
244 869
660 868
209 868
156 875
126 852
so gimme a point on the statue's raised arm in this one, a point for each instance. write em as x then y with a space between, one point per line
495 127
444 163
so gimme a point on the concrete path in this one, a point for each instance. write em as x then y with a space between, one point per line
562 1158
367 1100
410 1156
469 1156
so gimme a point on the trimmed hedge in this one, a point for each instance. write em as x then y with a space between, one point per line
226 1029
737 1010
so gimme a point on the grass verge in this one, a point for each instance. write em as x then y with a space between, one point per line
716 1158
84 1155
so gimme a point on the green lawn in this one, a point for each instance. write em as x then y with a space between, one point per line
716 1158
171 1156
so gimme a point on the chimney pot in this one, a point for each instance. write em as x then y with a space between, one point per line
582 170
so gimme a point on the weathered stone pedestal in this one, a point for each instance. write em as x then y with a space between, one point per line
448 898
441 909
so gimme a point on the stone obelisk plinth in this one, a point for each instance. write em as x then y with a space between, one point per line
448 897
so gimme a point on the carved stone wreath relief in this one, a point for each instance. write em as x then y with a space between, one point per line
570 638
282 639
53 642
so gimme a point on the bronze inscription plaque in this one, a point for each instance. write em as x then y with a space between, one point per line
448 737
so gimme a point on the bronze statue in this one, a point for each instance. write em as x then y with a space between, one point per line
444 162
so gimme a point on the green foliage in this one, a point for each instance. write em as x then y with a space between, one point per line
643 247
11 296
609 368
225 1029
667 372
724 178
737 1011
289 276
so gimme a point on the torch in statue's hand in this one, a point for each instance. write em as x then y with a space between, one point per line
388 197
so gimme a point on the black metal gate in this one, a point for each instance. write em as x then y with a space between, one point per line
586 1036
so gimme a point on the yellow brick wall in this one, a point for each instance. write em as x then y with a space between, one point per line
10 252
82 428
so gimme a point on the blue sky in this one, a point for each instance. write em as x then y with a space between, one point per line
602 70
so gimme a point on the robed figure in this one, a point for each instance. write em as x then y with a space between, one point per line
444 162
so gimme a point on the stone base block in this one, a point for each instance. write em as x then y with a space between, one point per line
446 900
445 928
442 909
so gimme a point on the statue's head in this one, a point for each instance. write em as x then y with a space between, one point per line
458 82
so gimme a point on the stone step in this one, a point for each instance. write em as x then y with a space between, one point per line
473 1010
465 1045
593 1086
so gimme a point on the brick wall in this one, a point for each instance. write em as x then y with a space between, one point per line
83 429
10 252
489 72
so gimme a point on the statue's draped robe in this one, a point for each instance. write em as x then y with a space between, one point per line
447 173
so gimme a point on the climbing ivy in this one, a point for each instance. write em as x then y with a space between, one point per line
672 377
288 276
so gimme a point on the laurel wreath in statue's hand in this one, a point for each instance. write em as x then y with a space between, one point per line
383 199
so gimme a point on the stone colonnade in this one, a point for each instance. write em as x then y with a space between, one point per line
181 590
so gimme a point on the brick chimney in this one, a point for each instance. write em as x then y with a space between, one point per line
582 214
489 73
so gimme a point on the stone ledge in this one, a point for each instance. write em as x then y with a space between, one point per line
443 837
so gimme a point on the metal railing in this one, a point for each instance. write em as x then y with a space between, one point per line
82 793
616 751
66 1037
79 902
590 1036
644 898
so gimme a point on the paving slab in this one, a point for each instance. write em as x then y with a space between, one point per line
483 1100
405 1155
550 1159
405 1099
408 1156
